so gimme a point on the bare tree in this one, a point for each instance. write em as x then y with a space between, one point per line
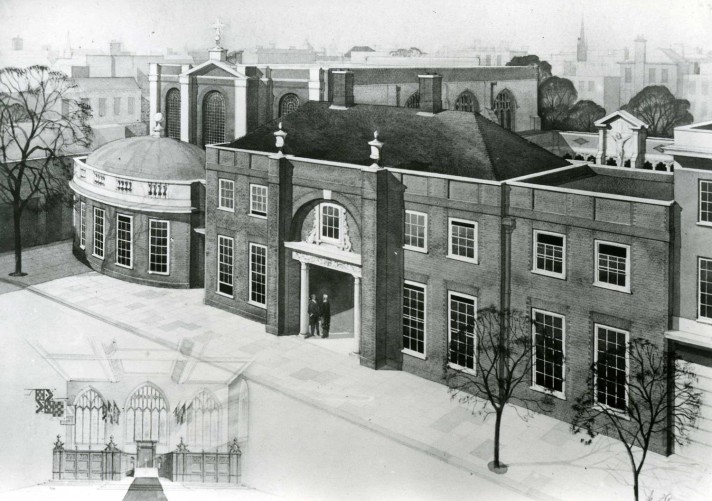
40 123
556 97
502 363
583 115
660 109
655 397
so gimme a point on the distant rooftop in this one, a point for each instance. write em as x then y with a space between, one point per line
611 180
450 142
94 84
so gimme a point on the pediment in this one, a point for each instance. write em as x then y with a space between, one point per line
215 69
629 121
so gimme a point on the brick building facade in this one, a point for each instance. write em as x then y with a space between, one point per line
450 213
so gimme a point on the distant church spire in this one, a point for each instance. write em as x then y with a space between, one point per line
582 46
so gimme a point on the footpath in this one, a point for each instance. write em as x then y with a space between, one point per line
545 460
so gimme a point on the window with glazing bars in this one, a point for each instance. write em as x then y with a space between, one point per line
159 241
173 114
258 200
213 118
611 367
462 331
99 232
123 240
415 230
258 274
414 318
225 265
548 350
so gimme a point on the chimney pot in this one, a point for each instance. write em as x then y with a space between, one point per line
430 89
343 89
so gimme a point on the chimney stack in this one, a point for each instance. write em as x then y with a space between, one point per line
343 91
431 101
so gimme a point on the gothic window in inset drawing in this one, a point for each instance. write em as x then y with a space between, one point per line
147 416
89 427
202 421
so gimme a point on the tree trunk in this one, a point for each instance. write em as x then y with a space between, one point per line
17 219
497 423
635 485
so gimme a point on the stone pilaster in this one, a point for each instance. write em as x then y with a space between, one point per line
279 182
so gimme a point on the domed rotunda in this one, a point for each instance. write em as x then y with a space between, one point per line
139 212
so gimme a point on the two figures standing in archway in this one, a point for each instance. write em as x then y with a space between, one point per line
319 316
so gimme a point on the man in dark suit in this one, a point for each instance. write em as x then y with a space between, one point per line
314 314
325 316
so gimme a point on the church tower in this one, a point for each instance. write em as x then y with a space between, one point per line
581 46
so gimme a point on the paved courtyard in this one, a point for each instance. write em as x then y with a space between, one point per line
545 460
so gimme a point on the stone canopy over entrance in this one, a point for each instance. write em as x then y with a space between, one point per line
312 255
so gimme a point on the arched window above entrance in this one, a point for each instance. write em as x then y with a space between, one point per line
202 420
330 227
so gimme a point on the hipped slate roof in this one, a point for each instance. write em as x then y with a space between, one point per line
450 142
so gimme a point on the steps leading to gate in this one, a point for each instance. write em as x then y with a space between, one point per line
146 472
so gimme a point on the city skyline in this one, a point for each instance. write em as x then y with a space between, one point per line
543 27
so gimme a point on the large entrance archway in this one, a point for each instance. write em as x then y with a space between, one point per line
329 275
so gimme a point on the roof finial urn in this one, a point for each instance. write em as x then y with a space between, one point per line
376 146
279 137
158 129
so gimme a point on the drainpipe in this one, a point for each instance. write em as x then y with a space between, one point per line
508 225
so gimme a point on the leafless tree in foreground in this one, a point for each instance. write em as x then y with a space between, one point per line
655 396
41 121
502 362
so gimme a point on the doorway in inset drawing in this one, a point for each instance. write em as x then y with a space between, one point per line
339 286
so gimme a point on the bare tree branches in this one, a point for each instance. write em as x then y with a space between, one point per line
41 122
659 397
656 106
503 363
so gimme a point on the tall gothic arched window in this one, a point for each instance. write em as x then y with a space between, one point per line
413 101
504 109
147 416
467 102
173 114
202 421
213 118
89 425
288 104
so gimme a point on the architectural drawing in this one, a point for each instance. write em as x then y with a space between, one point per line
261 271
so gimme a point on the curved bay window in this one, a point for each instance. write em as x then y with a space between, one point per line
147 416
173 114
288 104
213 118
202 421
504 109
413 101
467 102
89 426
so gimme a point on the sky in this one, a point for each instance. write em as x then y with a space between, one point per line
544 26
